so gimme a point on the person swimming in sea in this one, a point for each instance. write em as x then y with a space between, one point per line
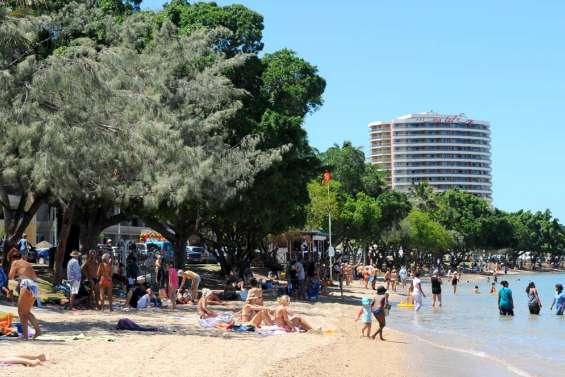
493 288
476 290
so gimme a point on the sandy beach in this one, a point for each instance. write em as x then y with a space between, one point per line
182 346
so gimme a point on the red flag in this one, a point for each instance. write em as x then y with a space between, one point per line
327 177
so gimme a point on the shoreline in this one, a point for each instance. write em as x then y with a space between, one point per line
184 345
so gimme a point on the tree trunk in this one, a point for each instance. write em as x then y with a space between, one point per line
66 224
88 236
179 246
16 220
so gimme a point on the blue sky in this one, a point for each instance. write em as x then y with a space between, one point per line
501 61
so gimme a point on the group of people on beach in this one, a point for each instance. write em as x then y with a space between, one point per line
368 275
254 312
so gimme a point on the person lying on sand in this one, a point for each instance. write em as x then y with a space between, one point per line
283 320
28 361
22 271
183 296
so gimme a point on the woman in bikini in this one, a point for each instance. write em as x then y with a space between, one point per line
23 272
253 311
105 280
379 311
283 320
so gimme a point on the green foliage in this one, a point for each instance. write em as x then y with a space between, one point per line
323 202
245 25
395 206
347 164
424 234
462 212
363 215
290 84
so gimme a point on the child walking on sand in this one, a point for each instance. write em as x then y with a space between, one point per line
365 311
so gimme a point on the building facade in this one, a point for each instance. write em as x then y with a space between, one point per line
446 151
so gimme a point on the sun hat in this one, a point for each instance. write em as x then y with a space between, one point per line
179 272
75 253
381 290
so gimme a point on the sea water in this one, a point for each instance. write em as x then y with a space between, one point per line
470 324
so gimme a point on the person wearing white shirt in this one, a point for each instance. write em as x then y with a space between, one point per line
418 292
74 276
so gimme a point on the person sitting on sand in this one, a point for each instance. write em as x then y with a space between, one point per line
22 271
147 299
26 360
253 303
203 310
379 311
255 293
135 294
283 320
208 297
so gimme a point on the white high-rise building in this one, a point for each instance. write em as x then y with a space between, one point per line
447 151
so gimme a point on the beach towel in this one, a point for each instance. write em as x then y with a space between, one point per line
270 330
212 322
242 328
129 325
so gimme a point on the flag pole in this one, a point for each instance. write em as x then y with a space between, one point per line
330 233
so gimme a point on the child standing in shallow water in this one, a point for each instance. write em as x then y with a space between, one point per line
365 311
